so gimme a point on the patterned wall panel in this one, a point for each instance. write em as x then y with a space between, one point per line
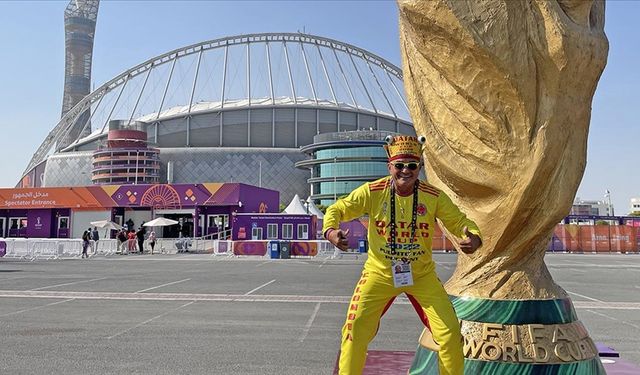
199 165
69 169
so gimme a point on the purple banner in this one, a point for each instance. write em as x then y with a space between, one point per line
39 223
222 247
3 248
260 248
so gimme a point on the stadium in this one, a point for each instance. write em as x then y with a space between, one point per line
234 109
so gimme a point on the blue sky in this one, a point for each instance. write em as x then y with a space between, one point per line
130 32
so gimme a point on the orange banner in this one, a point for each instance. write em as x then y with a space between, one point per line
63 197
594 238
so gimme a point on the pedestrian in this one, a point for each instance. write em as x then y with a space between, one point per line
90 241
140 237
130 225
131 241
402 212
95 237
122 239
85 243
152 240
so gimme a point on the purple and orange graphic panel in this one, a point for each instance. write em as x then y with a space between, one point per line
107 196
298 248
304 248
250 248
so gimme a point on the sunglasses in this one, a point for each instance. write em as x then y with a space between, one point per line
411 166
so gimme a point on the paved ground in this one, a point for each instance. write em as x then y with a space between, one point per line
197 314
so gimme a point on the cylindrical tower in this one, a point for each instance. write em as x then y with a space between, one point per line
79 27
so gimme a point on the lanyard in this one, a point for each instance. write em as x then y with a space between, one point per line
414 218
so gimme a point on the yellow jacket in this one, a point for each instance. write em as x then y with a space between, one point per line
373 199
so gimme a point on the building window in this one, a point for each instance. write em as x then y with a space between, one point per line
223 221
287 231
219 222
63 222
17 222
272 231
256 233
211 221
303 231
202 224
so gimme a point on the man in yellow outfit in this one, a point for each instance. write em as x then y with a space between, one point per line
402 212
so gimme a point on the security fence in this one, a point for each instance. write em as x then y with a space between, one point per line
575 238
567 238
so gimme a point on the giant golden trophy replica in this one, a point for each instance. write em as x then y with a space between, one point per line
502 89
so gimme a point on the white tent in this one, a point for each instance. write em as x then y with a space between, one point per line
160 222
298 207
313 209
295 207
107 224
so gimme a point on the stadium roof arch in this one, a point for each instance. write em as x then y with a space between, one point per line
246 71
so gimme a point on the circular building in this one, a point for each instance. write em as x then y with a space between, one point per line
235 109
342 161
127 158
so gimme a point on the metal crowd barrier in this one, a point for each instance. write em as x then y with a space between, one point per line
55 248
60 248
211 246
42 248
104 247
325 248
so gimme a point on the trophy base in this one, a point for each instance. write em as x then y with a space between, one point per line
394 362
518 337
426 363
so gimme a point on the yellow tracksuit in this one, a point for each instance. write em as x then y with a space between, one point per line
375 291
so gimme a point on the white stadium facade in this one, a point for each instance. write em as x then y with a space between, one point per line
235 109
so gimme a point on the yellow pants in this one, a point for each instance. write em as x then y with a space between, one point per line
373 295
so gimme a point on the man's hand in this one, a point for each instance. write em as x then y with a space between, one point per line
470 243
338 238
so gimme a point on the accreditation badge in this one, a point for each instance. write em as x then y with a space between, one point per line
402 275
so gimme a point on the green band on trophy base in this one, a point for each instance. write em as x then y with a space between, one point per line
518 337
554 311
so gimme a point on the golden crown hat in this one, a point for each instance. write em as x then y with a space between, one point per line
404 147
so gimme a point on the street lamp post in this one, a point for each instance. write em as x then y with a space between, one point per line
607 194
335 180
135 181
